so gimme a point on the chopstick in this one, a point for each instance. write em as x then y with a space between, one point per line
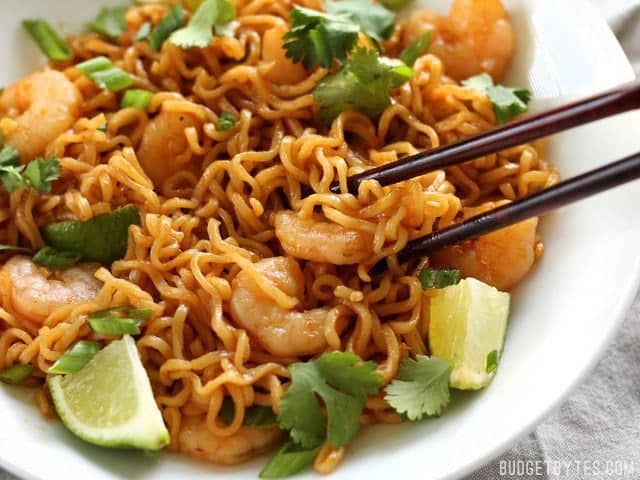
564 193
607 104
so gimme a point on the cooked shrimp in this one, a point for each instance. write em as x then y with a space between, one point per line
198 442
282 332
284 70
42 106
500 258
321 241
476 37
164 149
35 291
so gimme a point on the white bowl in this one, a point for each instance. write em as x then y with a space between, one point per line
563 317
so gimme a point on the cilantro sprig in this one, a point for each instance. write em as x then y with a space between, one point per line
317 38
421 387
337 381
363 85
507 102
36 175
211 15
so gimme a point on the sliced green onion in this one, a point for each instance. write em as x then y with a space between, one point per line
105 74
289 460
416 49
136 99
226 121
431 278
16 374
48 41
75 358
53 258
141 315
112 325
145 30
169 24
110 22
103 128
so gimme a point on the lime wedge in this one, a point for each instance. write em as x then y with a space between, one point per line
467 326
109 402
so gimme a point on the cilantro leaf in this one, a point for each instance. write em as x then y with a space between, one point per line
507 102
316 38
430 278
110 22
10 169
289 460
342 382
376 21
363 84
421 387
40 173
211 14
416 49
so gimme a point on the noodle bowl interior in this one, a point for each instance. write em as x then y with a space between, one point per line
242 260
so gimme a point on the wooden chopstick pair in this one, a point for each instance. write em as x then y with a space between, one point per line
601 106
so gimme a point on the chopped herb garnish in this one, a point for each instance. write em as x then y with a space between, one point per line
102 239
492 361
254 416
363 84
507 102
40 173
317 38
48 41
416 49
102 72
103 128
226 121
37 175
53 258
376 21
16 374
10 169
144 31
342 380
289 460
75 358
110 22
431 278
421 387
211 15
169 24
136 99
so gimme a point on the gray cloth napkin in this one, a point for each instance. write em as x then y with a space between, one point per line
596 433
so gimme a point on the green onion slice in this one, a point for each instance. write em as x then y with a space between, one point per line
145 30
110 22
112 325
136 99
105 74
75 358
53 258
431 278
16 374
226 121
169 24
48 41
13 248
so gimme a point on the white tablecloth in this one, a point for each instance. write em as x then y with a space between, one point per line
596 433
